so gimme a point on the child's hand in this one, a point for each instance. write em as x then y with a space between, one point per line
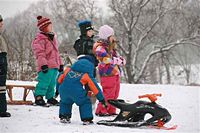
103 103
117 61
61 68
123 60
44 68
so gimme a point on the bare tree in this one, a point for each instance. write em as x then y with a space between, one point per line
21 29
19 33
135 22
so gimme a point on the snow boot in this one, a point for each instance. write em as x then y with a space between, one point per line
5 114
64 119
39 101
87 121
52 101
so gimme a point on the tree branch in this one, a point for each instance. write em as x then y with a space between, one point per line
120 14
163 49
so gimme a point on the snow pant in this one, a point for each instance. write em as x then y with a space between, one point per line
111 88
3 74
46 83
80 99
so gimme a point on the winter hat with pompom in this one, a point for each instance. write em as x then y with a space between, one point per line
105 31
42 22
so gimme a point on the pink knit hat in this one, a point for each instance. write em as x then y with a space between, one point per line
105 31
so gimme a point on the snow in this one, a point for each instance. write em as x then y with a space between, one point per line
24 83
183 102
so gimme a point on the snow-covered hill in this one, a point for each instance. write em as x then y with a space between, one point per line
183 102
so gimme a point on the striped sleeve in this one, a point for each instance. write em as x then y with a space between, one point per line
102 54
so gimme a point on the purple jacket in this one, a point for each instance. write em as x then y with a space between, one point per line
46 52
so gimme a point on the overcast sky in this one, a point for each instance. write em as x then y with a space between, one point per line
9 8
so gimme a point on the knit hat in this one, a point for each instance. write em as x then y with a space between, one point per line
105 31
1 19
84 26
43 22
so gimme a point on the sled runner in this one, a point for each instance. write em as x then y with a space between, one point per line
133 115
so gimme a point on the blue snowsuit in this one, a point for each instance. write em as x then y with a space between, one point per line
71 89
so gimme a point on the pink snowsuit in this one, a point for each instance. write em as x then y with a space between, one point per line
109 76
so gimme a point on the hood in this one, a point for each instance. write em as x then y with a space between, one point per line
83 66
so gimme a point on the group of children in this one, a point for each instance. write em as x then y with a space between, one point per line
76 81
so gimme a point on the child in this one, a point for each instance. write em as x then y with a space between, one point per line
83 46
48 62
3 74
71 90
109 68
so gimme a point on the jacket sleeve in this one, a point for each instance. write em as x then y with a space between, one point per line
78 47
62 76
38 47
3 45
94 87
103 56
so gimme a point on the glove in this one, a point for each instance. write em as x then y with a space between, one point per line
61 68
103 102
123 60
117 61
44 68
89 93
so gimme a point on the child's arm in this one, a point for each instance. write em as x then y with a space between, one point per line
94 87
38 47
102 55
62 76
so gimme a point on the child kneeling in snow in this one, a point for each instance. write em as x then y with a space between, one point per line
71 90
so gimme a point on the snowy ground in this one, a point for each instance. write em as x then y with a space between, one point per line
183 102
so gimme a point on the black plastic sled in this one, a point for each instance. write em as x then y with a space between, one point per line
133 115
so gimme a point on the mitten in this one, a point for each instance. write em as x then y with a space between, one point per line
44 68
89 93
103 102
61 68
123 60
117 61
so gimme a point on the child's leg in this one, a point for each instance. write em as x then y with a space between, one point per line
117 87
3 74
51 89
112 110
108 84
3 103
85 109
66 108
44 80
